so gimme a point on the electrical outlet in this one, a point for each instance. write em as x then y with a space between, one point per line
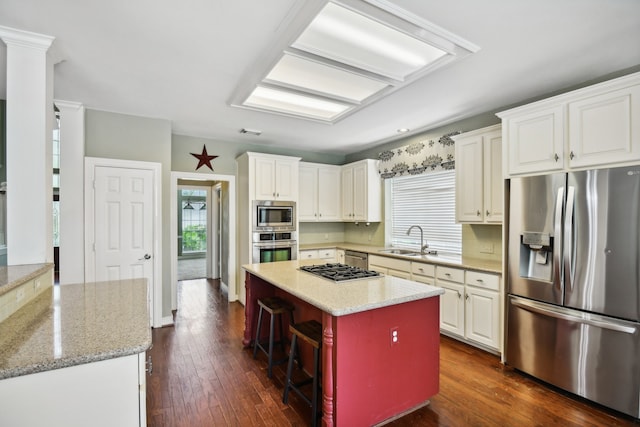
486 248
19 294
394 336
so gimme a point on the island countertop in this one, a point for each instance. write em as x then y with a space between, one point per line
339 299
74 324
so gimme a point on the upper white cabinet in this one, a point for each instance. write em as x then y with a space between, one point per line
479 182
597 126
361 192
320 195
275 177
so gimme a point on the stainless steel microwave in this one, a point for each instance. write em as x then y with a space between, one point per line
274 215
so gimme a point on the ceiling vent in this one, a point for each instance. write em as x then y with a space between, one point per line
251 131
345 56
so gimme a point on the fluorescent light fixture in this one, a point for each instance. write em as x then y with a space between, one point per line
323 79
293 103
347 56
346 36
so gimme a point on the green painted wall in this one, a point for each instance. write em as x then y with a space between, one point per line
120 136
225 163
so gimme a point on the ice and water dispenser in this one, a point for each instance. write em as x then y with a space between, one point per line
536 256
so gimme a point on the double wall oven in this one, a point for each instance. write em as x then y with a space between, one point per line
275 237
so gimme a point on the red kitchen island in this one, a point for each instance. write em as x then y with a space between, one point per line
367 378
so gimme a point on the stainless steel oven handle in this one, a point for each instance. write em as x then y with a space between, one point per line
275 244
536 308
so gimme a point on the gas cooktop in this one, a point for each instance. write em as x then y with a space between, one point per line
339 272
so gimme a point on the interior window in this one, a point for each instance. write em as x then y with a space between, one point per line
427 200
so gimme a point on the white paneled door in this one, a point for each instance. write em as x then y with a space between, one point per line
121 224
124 223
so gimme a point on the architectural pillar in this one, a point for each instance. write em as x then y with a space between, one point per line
71 192
29 147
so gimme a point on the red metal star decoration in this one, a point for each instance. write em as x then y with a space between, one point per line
204 158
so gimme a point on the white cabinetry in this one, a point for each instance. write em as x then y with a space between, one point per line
361 192
470 307
327 255
390 266
275 177
482 314
320 196
106 393
597 126
423 273
479 183
340 256
452 301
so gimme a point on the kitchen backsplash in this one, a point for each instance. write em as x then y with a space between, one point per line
478 241
482 241
320 232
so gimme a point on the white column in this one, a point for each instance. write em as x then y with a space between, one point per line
29 147
71 192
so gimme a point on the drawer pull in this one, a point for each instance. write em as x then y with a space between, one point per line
480 280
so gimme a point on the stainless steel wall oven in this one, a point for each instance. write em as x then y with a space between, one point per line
278 246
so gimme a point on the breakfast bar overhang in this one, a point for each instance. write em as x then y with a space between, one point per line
367 376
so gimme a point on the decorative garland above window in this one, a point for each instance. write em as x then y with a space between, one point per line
419 157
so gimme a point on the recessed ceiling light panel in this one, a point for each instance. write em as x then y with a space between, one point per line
323 79
349 55
346 36
293 103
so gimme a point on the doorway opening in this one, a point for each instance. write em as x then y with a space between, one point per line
194 232
217 209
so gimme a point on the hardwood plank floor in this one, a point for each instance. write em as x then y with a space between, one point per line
203 377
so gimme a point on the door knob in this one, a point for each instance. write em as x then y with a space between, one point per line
146 256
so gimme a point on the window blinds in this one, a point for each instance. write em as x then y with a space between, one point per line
428 201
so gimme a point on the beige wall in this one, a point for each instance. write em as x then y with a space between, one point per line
482 241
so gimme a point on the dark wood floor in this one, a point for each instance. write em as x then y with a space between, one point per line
203 377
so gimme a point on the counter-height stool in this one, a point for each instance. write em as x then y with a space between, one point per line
310 332
276 307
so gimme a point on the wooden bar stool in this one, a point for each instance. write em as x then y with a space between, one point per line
275 306
310 332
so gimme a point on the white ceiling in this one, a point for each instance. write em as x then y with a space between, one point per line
183 61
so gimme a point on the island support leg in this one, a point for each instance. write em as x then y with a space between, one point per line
327 370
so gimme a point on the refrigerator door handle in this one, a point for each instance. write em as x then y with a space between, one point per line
557 223
568 242
586 319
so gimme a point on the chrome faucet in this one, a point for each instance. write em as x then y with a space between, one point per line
423 246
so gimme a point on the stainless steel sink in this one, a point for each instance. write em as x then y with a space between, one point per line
399 251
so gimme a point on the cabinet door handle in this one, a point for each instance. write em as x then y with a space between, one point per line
478 213
556 157
458 292
488 213
467 297
571 155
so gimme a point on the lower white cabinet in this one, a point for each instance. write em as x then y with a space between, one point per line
106 393
390 266
452 301
340 256
328 255
423 273
470 306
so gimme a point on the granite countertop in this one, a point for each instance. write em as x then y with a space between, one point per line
15 275
74 324
446 260
343 298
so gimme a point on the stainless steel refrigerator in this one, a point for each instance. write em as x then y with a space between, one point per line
573 309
